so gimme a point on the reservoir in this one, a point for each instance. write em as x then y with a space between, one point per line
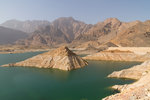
88 83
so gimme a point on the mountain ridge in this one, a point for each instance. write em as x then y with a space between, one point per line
67 30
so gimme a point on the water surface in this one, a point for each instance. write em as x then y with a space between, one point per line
88 83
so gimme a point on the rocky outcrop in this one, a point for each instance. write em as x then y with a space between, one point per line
139 90
119 55
61 58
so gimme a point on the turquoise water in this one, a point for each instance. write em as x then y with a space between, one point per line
88 83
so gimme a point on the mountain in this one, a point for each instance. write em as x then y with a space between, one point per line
9 36
105 31
101 32
60 31
66 30
71 27
45 36
25 26
137 35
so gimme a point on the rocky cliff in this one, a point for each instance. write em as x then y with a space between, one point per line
61 58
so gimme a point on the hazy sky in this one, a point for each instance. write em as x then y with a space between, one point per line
89 11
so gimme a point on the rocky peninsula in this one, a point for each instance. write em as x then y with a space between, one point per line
139 90
61 58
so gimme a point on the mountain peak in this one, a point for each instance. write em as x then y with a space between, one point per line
112 20
61 51
64 19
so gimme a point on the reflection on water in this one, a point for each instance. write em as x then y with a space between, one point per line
88 83
55 73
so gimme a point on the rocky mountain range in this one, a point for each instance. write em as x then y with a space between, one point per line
66 30
104 32
61 30
45 36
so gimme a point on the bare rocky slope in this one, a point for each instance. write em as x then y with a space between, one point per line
137 35
60 58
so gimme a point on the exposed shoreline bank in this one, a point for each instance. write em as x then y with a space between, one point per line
137 90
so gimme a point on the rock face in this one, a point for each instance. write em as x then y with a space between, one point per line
61 58
120 55
139 90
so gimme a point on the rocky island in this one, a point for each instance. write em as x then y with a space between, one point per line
61 58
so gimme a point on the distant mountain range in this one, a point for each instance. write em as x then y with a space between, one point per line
25 26
9 36
66 30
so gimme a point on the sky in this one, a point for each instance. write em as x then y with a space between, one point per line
89 11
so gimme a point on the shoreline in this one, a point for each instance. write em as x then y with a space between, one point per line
141 74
